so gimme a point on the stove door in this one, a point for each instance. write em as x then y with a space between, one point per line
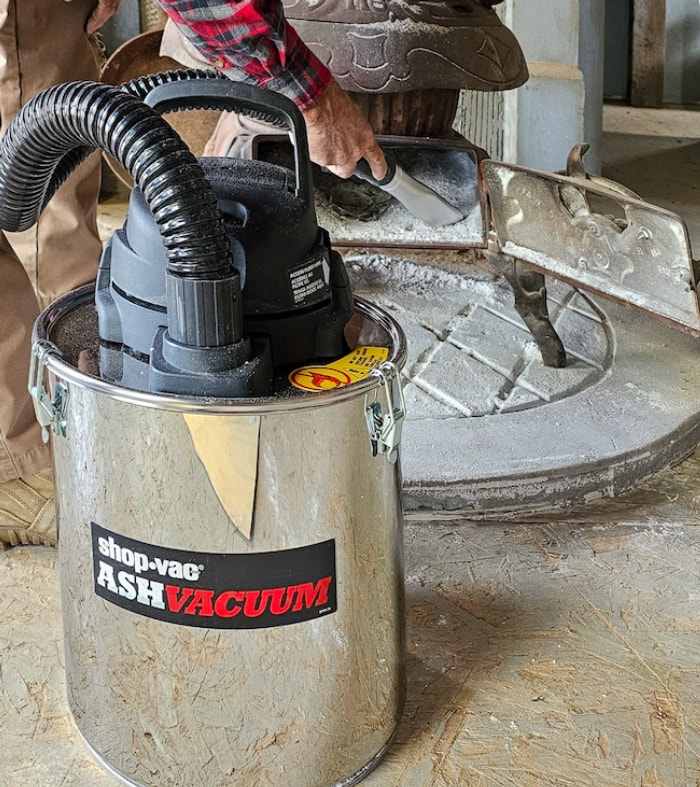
358 214
598 235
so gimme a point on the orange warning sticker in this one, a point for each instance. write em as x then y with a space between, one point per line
349 369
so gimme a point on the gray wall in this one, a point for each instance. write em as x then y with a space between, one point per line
618 14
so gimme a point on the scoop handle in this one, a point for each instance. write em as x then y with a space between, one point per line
363 170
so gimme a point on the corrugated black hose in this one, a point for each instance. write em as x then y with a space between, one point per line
140 88
61 125
57 129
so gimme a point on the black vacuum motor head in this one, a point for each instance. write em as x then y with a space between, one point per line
284 302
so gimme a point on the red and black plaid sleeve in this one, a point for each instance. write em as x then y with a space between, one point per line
252 41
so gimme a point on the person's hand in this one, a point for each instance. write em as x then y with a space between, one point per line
339 134
103 11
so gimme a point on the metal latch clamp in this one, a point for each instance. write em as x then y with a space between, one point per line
49 406
385 428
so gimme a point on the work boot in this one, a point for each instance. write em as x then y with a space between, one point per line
28 510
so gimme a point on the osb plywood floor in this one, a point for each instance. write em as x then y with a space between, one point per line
557 650
562 652
552 651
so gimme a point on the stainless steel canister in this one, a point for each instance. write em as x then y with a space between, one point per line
230 570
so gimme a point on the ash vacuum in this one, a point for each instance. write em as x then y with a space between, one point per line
225 420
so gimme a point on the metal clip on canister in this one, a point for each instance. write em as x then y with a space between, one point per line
385 427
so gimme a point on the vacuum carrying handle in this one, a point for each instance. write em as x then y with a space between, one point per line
363 171
249 100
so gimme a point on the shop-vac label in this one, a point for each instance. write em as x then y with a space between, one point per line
214 590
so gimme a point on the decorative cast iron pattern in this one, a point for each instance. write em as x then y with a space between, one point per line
394 45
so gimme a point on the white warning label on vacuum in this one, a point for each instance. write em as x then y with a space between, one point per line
309 279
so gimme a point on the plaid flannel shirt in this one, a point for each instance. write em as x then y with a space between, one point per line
251 40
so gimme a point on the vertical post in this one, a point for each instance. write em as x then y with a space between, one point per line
648 53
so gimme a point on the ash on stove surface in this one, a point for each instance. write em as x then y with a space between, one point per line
470 354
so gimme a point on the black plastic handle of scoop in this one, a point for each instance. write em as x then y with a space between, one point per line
363 171
250 100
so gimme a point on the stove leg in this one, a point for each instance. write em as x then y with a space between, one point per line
531 304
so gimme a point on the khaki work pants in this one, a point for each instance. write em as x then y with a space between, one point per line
42 43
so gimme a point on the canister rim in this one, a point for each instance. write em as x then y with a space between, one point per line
54 361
